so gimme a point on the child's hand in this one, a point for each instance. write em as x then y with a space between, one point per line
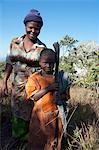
54 86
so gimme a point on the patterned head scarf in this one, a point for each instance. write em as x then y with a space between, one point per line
34 15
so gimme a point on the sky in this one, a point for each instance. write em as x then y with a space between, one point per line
77 18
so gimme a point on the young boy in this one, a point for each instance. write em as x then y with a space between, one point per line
40 88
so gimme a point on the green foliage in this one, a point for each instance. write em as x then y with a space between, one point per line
91 77
68 41
86 137
81 61
67 65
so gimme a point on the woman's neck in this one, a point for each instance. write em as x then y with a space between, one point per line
28 44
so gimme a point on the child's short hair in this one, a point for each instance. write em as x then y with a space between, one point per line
47 51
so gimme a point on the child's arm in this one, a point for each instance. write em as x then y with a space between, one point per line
35 92
39 94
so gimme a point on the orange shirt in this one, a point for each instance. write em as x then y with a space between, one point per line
35 83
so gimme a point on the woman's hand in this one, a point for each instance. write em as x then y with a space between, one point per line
4 90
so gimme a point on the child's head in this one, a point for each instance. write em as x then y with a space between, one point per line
47 60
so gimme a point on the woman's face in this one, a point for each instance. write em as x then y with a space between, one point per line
32 30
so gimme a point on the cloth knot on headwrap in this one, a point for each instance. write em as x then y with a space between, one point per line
34 15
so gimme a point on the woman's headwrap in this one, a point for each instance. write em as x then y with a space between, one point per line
34 15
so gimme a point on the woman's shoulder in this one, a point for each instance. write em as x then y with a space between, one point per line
15 42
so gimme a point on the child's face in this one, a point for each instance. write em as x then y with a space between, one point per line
47 63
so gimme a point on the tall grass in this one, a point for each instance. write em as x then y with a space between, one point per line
85 138
83 123
83 127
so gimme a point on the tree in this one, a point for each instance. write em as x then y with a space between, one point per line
82 63
67 43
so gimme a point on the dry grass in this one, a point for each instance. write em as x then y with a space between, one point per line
82 131
85 96
85 138
83 128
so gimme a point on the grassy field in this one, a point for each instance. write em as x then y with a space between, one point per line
83 127
83 119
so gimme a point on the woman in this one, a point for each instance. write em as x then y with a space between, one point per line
23 59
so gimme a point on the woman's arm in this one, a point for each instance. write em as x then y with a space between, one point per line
8 71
